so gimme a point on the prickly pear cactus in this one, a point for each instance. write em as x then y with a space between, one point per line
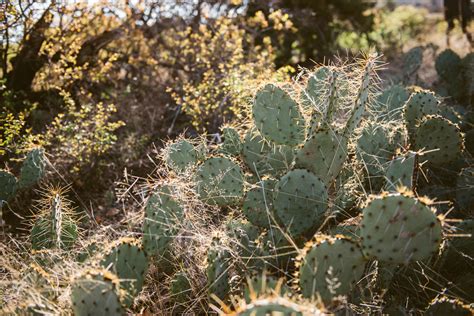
162 214
181 155
258 204
262 284
323 154
315 88
54 227
300 201
412 61
96 292
220 181
245 237
232 144
419 105
440 139
128 261
218 263
390 103
278 117
8 186
330 266
275 305
33 168
180 288
373 152
401 172
448 65
398 228
465 189
362 99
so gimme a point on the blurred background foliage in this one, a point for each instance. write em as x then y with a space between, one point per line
96 83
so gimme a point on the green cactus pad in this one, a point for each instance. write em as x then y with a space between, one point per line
254 152
245 237
180 288
397 228
373 152
33 168
448 65
278 117
440 139
220 181
323 154
54 228
128 261
329 267
260 285
232 144
277 249
181 155
361 101
279 160
217 270
8 186
311 96
391 101
401 172
162 215
258 203
412 61
96 292
465 189
300 201
419 105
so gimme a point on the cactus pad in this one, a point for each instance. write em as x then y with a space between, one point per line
277 116
419 105
96 292
181 155
448 65
128 261
180 288
323 154
220 181
162 214
440 139
33 168
412 61
217 270
329 267
401 172
258 203
465 189
300 201
391 101
232 144
397 228
8 186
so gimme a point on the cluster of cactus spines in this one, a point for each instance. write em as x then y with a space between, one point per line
401 172
54 227
329 267
465 189
278 117
33 168
263 284
419 105
220 181
232 144
398 228
300 201
217 270
127 260
443 305
96 292
181 155
258 204
441 140
8 186
162 215
274 305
